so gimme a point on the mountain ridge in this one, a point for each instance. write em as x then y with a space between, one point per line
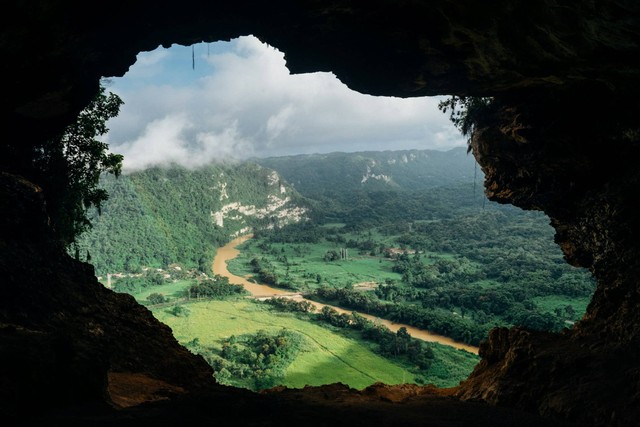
375 170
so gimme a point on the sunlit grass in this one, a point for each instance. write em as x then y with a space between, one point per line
169 290
450 365
326 358
306 263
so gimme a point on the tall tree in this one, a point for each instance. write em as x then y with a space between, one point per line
69 168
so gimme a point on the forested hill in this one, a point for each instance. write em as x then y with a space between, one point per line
370 188
175 215
321 174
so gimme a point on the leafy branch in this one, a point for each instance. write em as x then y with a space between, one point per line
69 167
465 112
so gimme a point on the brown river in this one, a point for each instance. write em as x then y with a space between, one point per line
230 251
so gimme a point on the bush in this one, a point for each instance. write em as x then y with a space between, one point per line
218 288
179 311
156 298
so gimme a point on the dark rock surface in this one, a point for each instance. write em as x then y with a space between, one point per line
332 405
61 331
576 163
562 136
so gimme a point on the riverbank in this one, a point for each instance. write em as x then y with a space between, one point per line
230 251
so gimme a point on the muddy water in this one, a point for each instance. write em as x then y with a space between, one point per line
229 252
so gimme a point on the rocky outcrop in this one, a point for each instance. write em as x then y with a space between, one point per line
62 332
562 136
576 163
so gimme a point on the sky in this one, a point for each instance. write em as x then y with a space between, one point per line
237 100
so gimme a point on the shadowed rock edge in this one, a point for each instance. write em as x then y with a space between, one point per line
563 138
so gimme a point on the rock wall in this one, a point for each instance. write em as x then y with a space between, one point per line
62 332
576 163
561 136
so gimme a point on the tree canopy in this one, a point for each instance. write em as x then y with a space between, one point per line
69 167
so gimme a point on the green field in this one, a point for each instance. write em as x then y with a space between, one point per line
170 290
306 263
450 366
307 269
327 357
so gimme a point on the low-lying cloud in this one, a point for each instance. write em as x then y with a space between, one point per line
242 102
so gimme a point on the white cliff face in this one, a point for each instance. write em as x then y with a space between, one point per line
221 186
280 210
223 191
218 218
241 232
273 178
370 175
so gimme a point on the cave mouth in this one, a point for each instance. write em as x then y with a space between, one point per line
563 138
174 125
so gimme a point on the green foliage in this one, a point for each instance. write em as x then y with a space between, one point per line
439 321
156 298
400 345
69 168
135 283
264 270
324 177
465 112
164 215
304 232
179 311
266 273
301 266
331 255
216 288
395 345
290 305
469 264
328 355
476 266
255 361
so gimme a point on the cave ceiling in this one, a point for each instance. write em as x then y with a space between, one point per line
55 52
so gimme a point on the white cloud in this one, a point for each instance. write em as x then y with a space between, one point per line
243 102
161 142
279 122
148 64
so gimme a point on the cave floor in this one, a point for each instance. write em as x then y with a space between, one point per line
333 405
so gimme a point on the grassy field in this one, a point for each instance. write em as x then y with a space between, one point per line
450 366
170 290
306 263
327 357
